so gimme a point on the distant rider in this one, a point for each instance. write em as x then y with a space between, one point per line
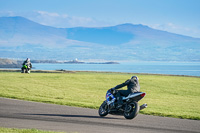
132 86
27 64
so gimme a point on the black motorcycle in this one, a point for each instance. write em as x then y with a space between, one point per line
129 109
25 69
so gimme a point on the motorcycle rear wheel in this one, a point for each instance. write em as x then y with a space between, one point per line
132 110
103 109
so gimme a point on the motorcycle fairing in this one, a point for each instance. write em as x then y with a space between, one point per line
137 96
110 98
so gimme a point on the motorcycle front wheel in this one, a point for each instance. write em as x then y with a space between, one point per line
131 110
23 71
103 109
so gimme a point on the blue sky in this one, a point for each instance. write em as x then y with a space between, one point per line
176 16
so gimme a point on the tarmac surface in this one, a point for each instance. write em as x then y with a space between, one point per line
28 115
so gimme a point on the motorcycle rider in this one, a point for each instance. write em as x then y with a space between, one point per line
27 63
132 86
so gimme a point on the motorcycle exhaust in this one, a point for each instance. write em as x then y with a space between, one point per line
143 106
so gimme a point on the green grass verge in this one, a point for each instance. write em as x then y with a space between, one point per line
170 96
14 130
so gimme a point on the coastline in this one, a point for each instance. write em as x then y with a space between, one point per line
69 71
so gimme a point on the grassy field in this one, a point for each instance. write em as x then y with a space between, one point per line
171 96
14 130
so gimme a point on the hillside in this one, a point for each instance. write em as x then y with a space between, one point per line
22 38
8 63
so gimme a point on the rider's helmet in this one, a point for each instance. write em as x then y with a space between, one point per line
134 78
28 60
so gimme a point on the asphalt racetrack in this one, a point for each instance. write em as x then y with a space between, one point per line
24 114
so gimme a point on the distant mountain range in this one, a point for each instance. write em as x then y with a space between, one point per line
21 38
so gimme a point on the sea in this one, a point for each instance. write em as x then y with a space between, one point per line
171 68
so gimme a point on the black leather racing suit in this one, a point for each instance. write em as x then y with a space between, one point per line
132 86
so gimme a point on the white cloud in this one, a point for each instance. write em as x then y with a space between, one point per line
43 13
64 20
57 20
178 29
165 27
